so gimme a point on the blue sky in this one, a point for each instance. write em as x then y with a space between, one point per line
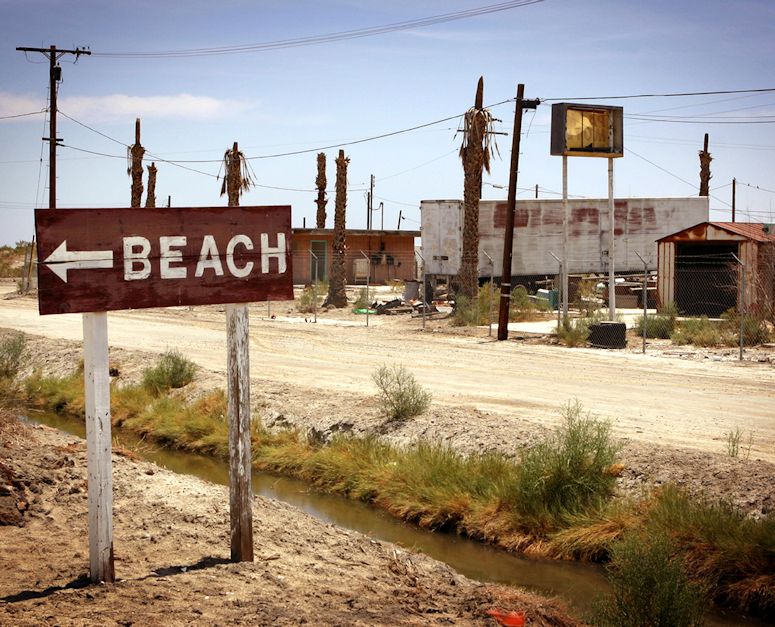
193 109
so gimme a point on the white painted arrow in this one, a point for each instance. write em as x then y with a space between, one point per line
62 260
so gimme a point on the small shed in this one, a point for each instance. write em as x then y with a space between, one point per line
380 255
699 268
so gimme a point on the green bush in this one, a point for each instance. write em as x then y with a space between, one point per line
660 325
568 473
574 332
11 349
173 370
697 331
467 312
400 396
306 302
650 587
362 302
755 330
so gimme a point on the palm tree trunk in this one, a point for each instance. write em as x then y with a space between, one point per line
150 199
337 295
320 183
136 153
473 154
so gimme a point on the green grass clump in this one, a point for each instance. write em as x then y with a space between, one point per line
661 325
172 371
698 331
573 333
475 312
467 312
649 587
362 302
399 395
11 350
566 474
733 554
306 302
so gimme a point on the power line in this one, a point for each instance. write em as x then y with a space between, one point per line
692 185
761 189
667 95
313 40
22 115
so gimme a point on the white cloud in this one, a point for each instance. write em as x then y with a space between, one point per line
120 107
13 104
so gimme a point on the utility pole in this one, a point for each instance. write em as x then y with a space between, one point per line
370 217
536 190
55 75
734 194
508 239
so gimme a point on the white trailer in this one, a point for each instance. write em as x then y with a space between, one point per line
538 232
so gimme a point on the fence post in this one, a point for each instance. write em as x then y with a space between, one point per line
645 298
561 290
741 301
368 277
424 301
315 288
489 296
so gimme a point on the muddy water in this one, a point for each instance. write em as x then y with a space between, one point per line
576 583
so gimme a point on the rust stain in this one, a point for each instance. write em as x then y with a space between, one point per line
499 215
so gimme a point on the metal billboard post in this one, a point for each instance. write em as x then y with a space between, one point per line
565 226
612 244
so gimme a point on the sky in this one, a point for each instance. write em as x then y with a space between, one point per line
308 97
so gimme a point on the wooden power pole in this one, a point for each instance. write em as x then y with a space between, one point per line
55 76
508 238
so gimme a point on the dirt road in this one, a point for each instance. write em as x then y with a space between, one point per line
651 398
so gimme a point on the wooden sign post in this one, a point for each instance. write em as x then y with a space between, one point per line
98 260
98 445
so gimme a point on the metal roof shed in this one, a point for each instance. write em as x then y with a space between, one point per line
698 272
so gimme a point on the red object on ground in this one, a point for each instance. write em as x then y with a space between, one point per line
510 619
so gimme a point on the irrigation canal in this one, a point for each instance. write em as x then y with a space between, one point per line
576 583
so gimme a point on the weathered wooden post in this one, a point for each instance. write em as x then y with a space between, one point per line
98 446
238 374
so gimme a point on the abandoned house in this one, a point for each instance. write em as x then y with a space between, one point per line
378 256
705 268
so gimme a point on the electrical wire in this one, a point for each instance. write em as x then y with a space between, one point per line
659 167
313 40
761 189
22 115
667 95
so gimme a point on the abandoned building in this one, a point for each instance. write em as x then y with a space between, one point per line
377 255
705 268
539 234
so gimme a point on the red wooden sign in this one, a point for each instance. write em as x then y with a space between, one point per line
107 259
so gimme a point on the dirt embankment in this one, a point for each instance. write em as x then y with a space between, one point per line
171 556
746 481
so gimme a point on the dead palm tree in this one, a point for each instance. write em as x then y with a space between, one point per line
337 295
475 152
150 199
320 183
135 169
237 177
